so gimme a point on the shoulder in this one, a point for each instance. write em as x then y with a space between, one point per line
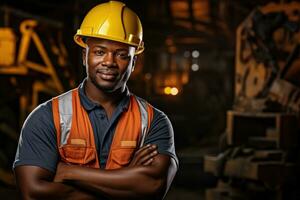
161 133
161 120
39 121
159 117
37 142
40 113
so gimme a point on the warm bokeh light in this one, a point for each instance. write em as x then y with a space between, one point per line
171 90
195 54
174 91
167 90
195 67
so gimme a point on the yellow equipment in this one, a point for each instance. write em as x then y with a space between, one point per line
112 21
33 66
7 46
19 64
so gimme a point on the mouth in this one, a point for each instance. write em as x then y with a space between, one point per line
107 75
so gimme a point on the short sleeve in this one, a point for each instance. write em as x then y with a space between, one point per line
161 133
37 143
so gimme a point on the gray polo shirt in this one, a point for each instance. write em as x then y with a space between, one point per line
38 146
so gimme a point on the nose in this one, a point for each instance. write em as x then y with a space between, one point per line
109 60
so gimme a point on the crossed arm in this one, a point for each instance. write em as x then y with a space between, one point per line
148 176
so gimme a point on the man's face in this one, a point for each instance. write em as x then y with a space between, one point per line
108 63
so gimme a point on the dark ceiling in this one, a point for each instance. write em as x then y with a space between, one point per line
210 23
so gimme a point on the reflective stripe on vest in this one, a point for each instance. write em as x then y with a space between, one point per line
65 115
75 137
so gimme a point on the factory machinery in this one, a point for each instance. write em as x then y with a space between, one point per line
259 156
33 67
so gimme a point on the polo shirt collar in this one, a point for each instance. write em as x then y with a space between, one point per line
90 105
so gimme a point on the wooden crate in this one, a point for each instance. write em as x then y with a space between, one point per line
277 128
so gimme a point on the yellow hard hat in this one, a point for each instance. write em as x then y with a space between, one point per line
112 21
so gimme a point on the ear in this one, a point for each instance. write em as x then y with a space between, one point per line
133 63
83 56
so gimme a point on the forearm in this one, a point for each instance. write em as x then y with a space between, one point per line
50 190
137 181
126 183
37 183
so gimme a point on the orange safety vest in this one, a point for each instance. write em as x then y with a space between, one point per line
75 136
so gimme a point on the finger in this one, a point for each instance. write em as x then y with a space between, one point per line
145 147
138 155
142 148
147 157
148 162
147 151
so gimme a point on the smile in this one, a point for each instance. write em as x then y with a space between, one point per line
108 76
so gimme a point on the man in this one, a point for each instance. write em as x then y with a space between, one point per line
99 141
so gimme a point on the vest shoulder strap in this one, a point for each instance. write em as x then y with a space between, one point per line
62 112
146 111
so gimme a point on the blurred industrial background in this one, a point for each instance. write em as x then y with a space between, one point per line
227 73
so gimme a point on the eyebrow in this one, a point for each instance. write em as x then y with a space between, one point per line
103 47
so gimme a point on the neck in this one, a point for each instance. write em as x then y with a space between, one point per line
108 100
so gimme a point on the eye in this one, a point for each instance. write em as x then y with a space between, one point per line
123 55
99 52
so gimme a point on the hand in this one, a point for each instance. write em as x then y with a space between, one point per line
144 156
60 170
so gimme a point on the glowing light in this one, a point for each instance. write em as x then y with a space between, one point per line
167 90
174 91
195 67
195 54
171 90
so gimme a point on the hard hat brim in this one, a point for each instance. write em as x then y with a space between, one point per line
78 38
